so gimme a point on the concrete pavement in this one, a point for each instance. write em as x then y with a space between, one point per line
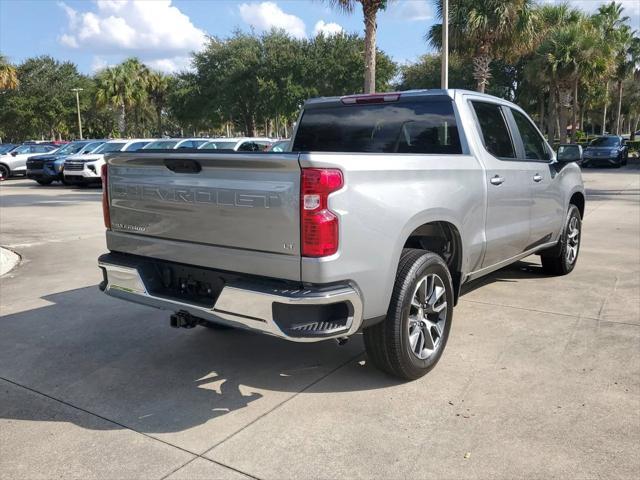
541 377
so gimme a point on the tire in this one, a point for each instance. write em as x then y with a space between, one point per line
562 259
5 172
44 182
392 344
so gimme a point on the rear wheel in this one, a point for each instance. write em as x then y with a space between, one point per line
411 339
44 182
562 258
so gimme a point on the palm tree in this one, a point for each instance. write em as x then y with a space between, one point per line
138 74
370 9
569 54
8 75
158 89
114 88
627 62
487 30
609 21
536 74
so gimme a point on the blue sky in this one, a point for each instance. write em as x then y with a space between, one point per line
97 33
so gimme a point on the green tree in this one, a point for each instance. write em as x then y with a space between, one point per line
333 64
44 105
486 31
227 80
187 107
425 73
158 86
115 89
281 79
609 20
627 62
370 9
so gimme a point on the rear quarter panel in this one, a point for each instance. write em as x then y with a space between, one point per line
384 199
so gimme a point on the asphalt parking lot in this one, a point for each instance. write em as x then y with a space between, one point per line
541 376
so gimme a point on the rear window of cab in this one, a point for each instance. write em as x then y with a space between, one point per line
427 127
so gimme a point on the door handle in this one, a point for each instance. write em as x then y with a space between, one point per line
537 178
497 180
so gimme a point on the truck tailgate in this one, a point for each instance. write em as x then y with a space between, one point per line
243 202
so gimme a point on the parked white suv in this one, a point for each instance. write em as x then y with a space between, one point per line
83 169
15 161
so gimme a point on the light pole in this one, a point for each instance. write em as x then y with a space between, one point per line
444 69
78 90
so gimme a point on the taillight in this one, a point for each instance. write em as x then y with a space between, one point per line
319 225
105 196
370 98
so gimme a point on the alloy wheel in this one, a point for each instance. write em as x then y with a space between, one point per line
427 316
573 240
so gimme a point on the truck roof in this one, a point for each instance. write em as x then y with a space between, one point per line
435 92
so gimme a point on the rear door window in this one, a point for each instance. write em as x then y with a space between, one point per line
427 126
534 145
493 127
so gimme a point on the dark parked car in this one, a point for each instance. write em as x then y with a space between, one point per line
45 169
608 150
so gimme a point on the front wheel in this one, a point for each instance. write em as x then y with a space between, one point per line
562 258
44 182
5 172
411 339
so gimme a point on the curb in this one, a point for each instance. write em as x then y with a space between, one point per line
8 260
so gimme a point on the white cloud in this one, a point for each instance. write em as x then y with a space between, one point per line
170 65
411 10
99 63
327 28
154 30
267 15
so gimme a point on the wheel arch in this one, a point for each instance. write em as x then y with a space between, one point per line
578 199
443 238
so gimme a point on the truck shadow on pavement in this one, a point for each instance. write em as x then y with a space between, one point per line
124 363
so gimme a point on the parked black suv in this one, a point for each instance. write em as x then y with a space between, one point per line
608 150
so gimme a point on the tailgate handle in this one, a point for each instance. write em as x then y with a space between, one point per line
177 165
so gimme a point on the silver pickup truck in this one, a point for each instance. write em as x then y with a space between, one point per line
385 205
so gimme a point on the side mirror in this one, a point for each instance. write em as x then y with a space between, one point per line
569 152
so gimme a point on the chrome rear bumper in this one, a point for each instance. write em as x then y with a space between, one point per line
249 305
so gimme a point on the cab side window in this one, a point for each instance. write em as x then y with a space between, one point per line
493 126
534 146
